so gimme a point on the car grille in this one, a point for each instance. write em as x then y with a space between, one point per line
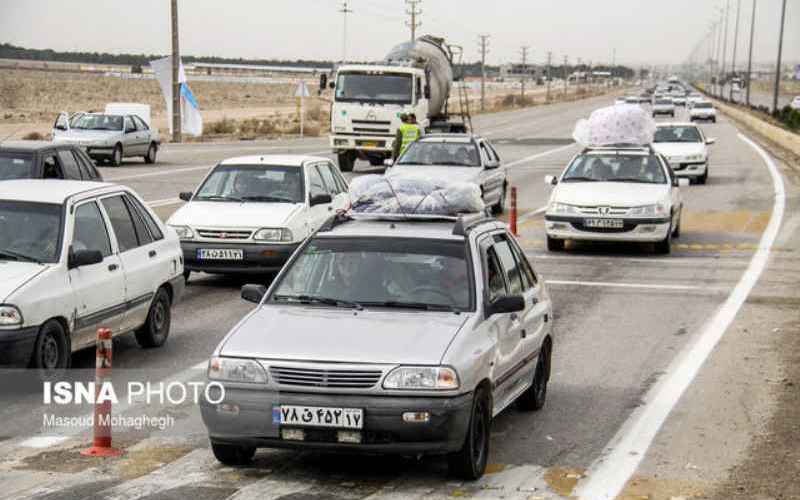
312 377
224 234
604 211
371 122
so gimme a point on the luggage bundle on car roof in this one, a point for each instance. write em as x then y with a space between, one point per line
413 196
614 126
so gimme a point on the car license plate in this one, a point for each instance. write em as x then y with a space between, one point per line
370 144
220 254
314 416
604 223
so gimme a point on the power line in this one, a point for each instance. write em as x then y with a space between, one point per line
414 13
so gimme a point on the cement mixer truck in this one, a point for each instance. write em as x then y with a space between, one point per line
415 77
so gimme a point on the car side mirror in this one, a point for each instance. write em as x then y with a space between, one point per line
80 258
185 196
507 304
331 85
61 127
710 141
323 81
320 199
254 293
427 91
550 180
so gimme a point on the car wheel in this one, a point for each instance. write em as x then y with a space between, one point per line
713 120
152 151
51 352
499 207
116 156
186 275
664 246
155 330
233 455
347 161
676 233
470 461
703 178
555 245
534 397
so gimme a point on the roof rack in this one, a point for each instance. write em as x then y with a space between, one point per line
467 222
618 147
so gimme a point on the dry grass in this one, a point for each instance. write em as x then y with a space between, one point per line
33 136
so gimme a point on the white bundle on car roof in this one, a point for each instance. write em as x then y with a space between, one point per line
413 196
616 125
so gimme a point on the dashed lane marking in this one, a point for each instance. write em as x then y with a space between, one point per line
611 284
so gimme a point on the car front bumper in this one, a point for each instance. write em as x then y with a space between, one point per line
16 346
258 258
566 227
703 117
383 432
691 170
99 151
366 143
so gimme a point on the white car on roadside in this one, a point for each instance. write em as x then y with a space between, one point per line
703 110
76 256
615 194
685 147
250 213
664 106
795 103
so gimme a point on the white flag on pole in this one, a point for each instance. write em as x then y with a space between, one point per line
191 119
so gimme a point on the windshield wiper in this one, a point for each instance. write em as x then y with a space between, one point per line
267 198
328 301
579 178
218 197
18 256
423 306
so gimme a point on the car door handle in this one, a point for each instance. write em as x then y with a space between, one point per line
151 253
113 267
523 333
514 317
534 301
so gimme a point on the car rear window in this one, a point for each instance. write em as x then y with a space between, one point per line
16 165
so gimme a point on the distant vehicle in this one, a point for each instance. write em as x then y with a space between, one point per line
45 160
694 98
457 158
632 100
795 103
703 110
76 256
620 100
664 106
110 136
685 147
401 335
250 213
679 100
615 194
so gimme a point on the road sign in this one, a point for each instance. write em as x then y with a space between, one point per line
302 90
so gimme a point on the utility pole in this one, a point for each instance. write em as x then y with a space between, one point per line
549 64
344 10
735 43
484 41
176 84
566 77
780 54
414 12
524 51
750 56
725 45
718 66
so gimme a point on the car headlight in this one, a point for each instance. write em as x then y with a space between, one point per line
695 158
184 232
422 378
236 370
562 208
10 316
655 210
273 234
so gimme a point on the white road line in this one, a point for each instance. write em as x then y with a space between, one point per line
43 441
538 155
609 473
611 284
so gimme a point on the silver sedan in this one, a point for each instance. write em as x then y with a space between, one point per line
108 137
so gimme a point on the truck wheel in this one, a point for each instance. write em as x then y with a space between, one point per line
155 330
51 353
346 161
233 455
470 461
150 157
116 156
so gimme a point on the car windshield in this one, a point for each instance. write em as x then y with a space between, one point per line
16 166
615 168
459 154
30 232
253 183
677 134
703 105
401 273
98 122
381 88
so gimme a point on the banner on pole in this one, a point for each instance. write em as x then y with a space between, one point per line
191 119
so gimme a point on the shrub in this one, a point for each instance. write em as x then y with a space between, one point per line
224 126
33 136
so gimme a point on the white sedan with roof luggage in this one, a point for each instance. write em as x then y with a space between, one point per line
76 256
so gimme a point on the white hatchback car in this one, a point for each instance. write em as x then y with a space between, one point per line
615 194
76 256
250 213
685 147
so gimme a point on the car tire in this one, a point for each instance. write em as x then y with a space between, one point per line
500 207
664 246
347 161
51 352
676 233
555 245
374 161
155 330
152 151
233 455
534 396
116 156
186 275
470 461
713 120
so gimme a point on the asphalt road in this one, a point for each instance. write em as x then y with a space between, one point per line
622 315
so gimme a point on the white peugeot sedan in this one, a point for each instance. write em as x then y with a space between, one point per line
615 194
250 213
76 256
685 147
703 110
457 158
